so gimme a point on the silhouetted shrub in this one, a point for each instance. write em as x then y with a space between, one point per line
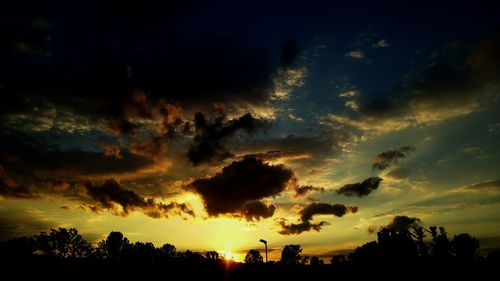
253 256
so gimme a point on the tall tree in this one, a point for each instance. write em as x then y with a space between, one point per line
291 254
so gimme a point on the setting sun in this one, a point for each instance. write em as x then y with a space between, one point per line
229 255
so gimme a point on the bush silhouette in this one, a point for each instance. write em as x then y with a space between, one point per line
114 246
291 254
465 246
253 256
63 243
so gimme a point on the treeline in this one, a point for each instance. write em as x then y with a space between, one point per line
414 249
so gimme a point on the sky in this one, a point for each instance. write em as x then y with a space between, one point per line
213 124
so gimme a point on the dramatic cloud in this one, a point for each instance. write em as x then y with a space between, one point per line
35 160
298 228
360 189
337 210
255 210
300 191
209 141
86 73
239 189
307 214
111 194
152 147
400 223
390 157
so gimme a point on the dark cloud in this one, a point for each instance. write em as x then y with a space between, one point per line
390 157
111 194
300 191
10 189
237 189
93 62
400 223
308 212
160 210
360 189
338 210
35 159
152 147
210 136
298 228
255 210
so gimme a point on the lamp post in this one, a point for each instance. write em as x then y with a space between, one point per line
265 243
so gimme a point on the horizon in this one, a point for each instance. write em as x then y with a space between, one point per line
210 124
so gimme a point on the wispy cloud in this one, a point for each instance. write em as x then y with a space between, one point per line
355 54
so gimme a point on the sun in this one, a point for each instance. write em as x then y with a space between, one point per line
227 255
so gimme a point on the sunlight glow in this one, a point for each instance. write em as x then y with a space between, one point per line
229 255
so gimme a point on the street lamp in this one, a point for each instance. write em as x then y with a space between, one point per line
265 243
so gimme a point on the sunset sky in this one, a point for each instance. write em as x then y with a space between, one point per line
212 124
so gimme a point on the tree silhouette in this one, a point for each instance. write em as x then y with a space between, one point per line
315 261
338 259
63 243
440 243
395 253
366 252
291 254
212 255
465 246
168 250
394 244
140 251
253 256
21 247
113 246
418 232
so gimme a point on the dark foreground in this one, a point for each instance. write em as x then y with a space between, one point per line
40 268
397 254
